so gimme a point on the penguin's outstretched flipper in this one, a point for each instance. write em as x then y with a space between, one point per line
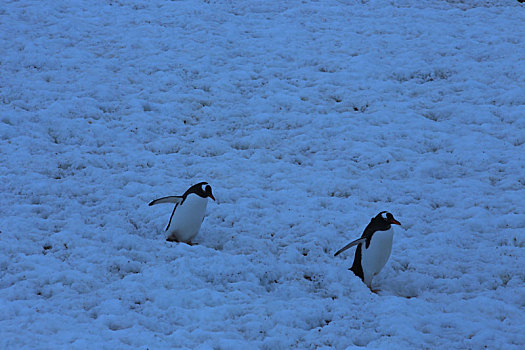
169 199
350 245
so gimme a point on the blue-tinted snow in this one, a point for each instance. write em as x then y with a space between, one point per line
307 118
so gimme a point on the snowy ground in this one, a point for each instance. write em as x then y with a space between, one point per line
307 118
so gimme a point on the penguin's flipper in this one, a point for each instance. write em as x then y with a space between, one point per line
169 199
350 245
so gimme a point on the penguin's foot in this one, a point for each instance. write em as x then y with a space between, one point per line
172 239
375 291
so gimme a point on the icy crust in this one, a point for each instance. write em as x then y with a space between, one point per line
307 118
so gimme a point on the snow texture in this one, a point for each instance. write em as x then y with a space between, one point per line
307 118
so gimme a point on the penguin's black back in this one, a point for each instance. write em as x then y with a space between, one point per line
356 266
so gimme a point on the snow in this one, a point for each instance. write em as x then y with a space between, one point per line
307 118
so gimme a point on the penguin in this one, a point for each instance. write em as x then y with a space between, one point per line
373 248
188 213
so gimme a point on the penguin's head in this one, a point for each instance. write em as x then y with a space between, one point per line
202 189
207 192
387 218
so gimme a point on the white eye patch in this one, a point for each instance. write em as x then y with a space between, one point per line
383 215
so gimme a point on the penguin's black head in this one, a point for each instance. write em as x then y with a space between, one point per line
207 192
387 218
201 189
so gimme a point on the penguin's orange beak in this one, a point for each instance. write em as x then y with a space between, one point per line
211 196
394 221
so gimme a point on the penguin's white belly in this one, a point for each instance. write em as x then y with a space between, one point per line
188 217
375 257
